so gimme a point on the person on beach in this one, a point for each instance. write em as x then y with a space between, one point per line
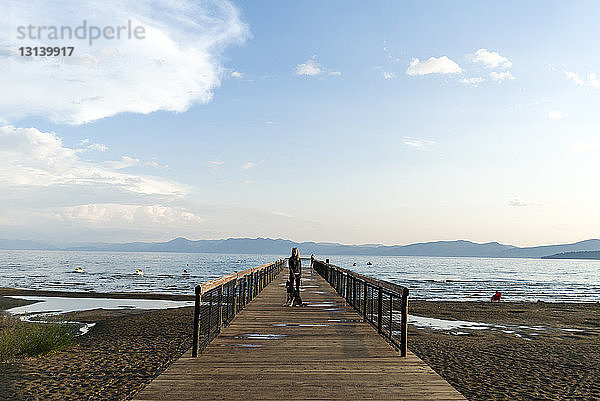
295 267
496 296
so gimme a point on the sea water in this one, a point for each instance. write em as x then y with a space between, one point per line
432 278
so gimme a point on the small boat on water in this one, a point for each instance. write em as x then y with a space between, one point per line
79 270
369 264
186 272
139 272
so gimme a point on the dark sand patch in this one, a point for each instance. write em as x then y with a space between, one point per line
8 303
493 365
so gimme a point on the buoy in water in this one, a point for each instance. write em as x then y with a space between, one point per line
369 264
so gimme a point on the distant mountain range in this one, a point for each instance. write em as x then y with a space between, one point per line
574 255
458 248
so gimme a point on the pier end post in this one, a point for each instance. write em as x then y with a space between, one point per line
197 304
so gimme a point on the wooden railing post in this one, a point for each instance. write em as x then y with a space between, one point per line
391 325
403 324
346 286
379 309
235 296
249 292
220 310
197 305
210 313
354 293
365 300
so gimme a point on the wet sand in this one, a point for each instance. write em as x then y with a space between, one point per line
554 364
128 348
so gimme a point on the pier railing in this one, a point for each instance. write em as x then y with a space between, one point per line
383 304
219 300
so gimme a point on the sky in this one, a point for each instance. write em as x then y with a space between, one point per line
342 121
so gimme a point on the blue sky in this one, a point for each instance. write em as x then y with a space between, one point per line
388 122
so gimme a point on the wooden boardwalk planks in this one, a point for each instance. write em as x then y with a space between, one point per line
319 351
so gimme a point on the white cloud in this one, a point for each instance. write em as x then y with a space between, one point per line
312 68
215 164
557 115
49 190
32 158
87 145
117 215
521 203
419 144
236 74
180 56
501 76
472 81
491 59
249 165
100 147
575 78
385 74
389 54
579 147
127 161
441 65
593 80
533 104
283 214
248 182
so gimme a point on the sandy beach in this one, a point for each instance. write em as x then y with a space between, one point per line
128 348
555 364
123 352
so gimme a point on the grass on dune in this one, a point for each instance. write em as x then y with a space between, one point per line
19 338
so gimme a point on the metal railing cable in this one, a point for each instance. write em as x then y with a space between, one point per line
219 300
381 303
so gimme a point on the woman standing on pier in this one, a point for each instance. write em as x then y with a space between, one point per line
295 273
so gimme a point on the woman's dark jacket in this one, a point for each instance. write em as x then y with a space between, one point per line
295 266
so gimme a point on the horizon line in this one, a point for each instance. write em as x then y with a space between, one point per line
299 242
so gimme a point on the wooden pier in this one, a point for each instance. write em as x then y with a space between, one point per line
321 351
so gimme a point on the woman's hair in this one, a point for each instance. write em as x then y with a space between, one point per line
295 253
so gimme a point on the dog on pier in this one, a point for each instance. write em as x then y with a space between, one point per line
292 295
289 289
